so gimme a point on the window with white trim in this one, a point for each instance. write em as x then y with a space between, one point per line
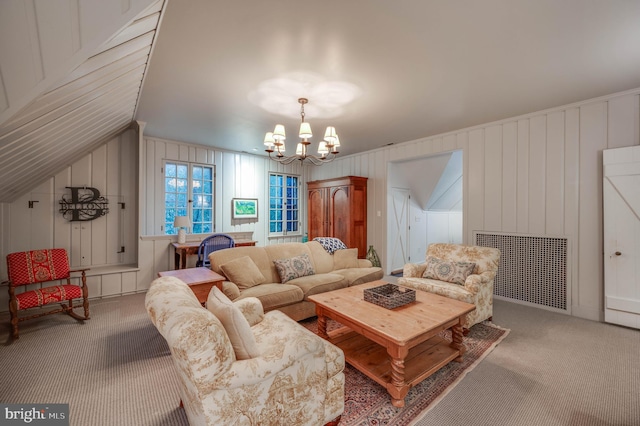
284 206
188 191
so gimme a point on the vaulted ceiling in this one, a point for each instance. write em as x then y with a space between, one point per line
223 73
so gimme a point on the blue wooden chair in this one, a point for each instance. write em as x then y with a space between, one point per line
212 243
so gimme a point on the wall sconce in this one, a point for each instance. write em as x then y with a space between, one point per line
182 222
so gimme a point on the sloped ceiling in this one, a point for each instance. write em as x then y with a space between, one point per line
439 187
224 73
67 92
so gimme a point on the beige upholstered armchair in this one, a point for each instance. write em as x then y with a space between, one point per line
242 366
460 272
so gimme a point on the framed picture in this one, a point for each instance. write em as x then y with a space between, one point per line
244 208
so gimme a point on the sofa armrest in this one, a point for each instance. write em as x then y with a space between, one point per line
413 270
251 308
230 290
284 342
364 263
475 281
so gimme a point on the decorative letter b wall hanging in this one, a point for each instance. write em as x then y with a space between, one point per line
85 204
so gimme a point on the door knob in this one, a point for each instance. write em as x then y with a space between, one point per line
618 253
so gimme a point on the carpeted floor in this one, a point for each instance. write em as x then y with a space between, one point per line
117 369
552 370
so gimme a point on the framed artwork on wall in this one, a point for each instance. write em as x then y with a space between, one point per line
244 208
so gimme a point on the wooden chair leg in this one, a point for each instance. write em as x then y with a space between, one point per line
334 422
465 331
13 310
85 295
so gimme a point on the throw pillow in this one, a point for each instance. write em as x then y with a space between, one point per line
295 267
243 272
345 258
452 272
330 244
234 323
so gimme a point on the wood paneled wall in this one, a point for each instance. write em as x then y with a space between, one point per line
237 175
96 244
537 174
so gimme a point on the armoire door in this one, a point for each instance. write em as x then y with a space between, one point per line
317 220
339 215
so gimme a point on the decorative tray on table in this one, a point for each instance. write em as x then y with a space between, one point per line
389 295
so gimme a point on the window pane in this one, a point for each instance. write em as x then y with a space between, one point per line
183 171
208 173
197 228
207 215
170 170
197 172
283 203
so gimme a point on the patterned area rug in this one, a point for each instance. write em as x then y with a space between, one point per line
368 403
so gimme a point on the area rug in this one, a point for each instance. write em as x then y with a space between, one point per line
368 403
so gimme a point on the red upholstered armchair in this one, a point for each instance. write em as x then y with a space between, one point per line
39 266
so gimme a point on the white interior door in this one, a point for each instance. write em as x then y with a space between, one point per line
621 196
399 226
417 234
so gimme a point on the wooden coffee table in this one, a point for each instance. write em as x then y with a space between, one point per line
200 280
398 348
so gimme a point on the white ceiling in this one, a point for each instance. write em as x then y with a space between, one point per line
422 67
382 72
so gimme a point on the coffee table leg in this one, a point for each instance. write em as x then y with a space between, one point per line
322 326
397 387
456 341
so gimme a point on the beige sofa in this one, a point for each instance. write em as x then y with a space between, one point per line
331 271
476 287
237 365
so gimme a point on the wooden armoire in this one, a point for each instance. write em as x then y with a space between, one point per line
338 208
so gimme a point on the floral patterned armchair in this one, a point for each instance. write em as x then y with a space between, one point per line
443 273
295 378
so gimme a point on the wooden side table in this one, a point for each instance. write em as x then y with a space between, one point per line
200 280
182 250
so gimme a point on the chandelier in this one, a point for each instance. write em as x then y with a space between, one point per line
327 149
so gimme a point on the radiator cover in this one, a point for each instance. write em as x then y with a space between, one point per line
533 269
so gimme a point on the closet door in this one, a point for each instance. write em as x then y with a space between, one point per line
622 236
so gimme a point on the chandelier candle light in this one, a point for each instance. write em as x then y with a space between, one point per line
327 149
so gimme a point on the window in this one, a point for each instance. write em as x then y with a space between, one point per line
188 191
283 204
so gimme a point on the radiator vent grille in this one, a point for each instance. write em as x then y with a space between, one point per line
532 269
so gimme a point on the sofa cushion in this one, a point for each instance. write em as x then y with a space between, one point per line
355 276
294 267
234 323
320 283
345 258
274 295
322 260
257 254
243 272
452 272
